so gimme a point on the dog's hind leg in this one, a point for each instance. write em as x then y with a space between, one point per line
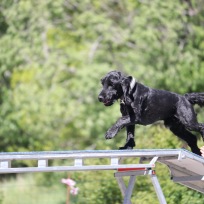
201 129
187 116
179 130
130 142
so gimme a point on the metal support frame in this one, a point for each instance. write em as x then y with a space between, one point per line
127 191
186 168
78 158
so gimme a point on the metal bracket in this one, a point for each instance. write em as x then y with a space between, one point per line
42 163
5 164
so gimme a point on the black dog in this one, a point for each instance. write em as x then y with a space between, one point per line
142 105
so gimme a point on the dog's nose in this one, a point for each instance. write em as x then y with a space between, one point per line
100 98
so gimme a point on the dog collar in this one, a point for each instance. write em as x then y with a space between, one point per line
132 83
122 101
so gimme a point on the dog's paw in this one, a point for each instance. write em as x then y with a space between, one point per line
125 147
129 144
111 133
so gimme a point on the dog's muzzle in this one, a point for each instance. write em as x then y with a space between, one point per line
105 102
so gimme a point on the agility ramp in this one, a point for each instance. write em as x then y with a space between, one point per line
185 167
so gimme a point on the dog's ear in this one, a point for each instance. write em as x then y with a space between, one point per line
127 85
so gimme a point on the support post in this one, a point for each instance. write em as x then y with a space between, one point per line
121 185
128 192
157 188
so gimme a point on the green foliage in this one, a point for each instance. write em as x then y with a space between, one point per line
101 187
52 56
1 197
24 190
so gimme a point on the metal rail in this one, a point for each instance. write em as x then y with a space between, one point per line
79 158
186 168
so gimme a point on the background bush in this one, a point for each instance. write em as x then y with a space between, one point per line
52 56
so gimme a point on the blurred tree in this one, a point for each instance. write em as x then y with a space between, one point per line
53 54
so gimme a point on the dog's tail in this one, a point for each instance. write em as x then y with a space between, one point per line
195 98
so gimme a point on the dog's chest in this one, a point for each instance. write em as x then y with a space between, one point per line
125 109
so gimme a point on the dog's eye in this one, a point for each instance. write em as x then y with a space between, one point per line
111 83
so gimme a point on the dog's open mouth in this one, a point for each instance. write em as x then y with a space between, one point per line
108 103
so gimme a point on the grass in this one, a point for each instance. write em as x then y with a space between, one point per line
25 190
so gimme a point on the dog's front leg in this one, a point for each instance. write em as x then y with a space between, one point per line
121 123
130 141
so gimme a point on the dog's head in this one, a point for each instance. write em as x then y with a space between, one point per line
112 89
116 86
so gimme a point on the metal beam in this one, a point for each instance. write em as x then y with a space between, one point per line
116 157
186 167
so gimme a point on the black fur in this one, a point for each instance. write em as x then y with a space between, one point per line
143 105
